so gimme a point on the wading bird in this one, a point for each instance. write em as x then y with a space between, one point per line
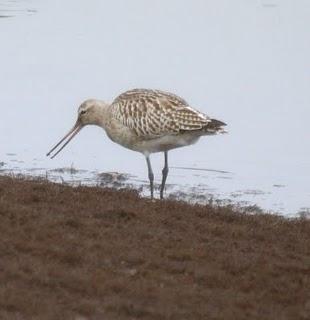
146 121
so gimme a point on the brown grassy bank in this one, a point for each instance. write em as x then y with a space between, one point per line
91 253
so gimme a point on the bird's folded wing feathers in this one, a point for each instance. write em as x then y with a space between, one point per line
154 113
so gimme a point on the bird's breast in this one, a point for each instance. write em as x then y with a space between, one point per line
122 135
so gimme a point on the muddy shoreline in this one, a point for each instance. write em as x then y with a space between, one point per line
98 253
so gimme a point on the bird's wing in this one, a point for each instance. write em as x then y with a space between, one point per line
154 113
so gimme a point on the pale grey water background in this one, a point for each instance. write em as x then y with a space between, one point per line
246 62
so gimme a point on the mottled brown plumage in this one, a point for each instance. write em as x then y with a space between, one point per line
154 113
146 121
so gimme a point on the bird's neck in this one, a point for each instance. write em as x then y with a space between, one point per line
101 117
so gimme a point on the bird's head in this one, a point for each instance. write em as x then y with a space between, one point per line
90 112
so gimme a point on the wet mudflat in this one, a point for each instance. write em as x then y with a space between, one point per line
96 253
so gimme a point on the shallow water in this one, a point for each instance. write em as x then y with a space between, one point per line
245 63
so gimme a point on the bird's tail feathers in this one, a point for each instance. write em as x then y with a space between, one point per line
215 126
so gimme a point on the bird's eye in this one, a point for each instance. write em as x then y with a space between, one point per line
83 112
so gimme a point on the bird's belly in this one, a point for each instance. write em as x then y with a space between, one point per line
128 139
166 143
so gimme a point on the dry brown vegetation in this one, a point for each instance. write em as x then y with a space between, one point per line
93 253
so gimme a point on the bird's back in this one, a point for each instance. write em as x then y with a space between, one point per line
155 113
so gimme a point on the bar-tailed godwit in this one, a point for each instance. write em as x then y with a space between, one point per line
146 121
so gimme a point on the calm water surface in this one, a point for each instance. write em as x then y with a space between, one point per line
244 62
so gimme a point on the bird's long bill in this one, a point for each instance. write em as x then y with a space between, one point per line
66 139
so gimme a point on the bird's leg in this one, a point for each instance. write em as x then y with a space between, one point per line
151 175
165 174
